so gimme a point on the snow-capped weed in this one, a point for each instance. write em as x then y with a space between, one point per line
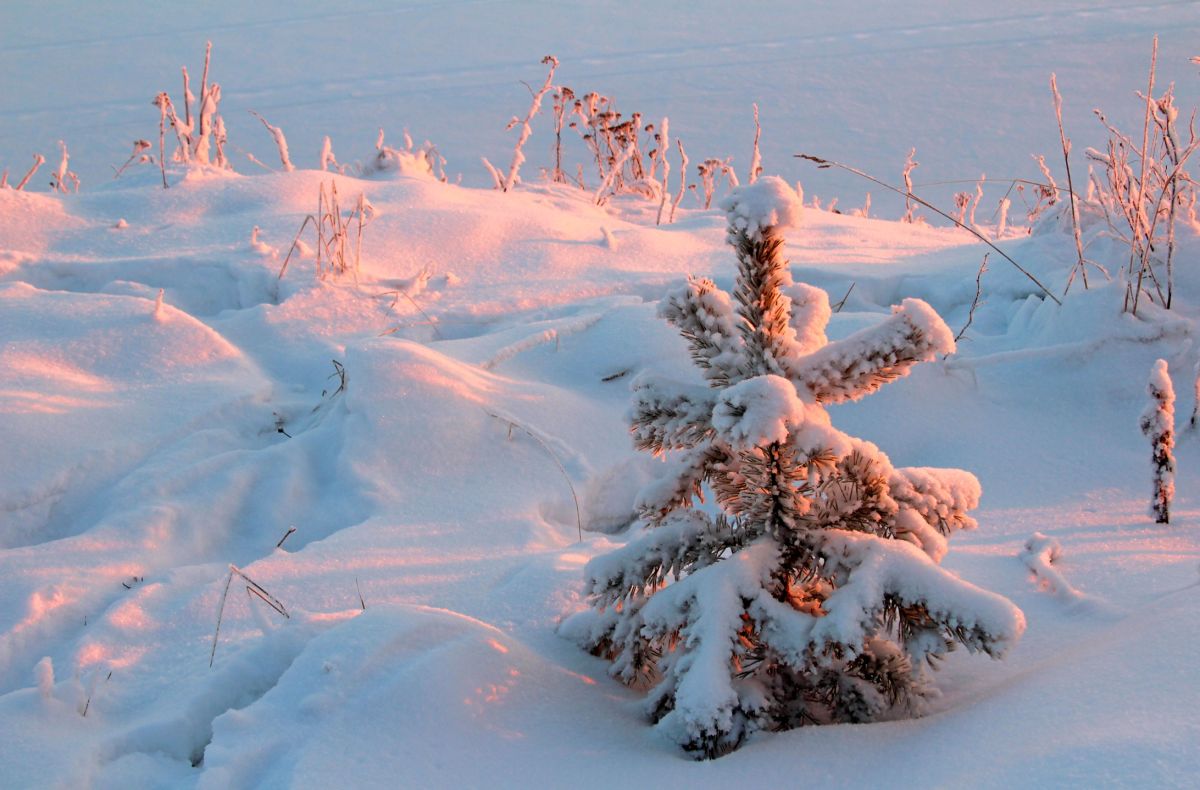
139 155
1158 425
290 531
195 134
285 160
62 174
535 106
407 161
910 164
38 161
710 172
624 165
1080 262
756 155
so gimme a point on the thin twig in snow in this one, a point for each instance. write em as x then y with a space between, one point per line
826 163
286 535
514 424
975 301
252 588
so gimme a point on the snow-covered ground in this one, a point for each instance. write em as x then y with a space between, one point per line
487 346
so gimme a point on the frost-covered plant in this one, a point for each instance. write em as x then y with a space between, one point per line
1147 185
139 155
710 172
285 159
564 99
505 182
38 161
328 160
808 590
196 134
910 208
63 174
1158 424
756 156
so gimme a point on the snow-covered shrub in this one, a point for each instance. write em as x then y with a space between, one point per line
1158 423
808 590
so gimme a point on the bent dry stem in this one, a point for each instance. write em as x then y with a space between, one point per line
827 163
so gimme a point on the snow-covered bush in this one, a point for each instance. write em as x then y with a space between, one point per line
808 591
1158 423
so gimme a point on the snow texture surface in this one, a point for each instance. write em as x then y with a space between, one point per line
169 406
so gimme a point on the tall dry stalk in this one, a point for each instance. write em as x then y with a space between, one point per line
335 252
910 164
682 179
756 156
1080 264
664 145
1145 185
535 107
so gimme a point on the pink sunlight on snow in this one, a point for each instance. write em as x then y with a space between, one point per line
481 455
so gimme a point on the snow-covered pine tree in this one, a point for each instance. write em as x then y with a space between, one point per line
811 593
1158 423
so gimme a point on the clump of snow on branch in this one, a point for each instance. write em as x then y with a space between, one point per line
768 202
757 411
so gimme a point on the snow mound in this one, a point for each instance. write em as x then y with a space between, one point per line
412 672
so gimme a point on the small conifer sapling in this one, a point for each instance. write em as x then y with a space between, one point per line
783 572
